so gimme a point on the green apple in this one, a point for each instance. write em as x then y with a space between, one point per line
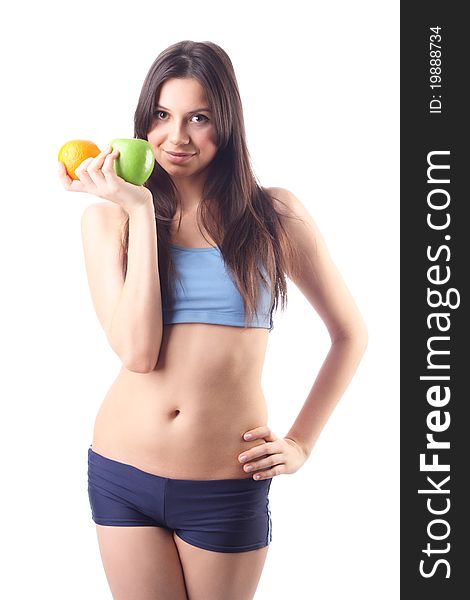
136 159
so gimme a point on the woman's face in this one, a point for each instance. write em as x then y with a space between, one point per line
183 123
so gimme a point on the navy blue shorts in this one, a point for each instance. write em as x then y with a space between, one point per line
222 515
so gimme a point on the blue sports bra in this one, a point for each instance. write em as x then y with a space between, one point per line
206 292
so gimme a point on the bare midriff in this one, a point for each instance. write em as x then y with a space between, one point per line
186 418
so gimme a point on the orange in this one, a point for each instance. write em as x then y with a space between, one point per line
73 153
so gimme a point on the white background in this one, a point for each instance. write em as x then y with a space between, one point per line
319 84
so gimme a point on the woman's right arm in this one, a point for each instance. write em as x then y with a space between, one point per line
129 309
136 325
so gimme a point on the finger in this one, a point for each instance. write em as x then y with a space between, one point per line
71 185
253 453
260 432
95 167
265 463
81 170
260 450
63 175
108 167
269 473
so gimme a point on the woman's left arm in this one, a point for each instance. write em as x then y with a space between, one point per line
321 283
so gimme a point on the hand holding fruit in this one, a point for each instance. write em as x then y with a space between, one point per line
116 174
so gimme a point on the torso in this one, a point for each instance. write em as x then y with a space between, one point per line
186 418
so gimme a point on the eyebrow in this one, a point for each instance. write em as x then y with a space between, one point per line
190 112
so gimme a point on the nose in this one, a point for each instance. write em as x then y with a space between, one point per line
178 134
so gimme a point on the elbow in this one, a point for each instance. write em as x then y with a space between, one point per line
358 336
139 366
142 364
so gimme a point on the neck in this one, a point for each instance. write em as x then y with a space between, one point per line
189 192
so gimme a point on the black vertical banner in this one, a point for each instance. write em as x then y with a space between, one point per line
435 319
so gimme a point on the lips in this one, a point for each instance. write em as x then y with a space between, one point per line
179 158
179 153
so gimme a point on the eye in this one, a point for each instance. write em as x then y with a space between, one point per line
159 112
203 117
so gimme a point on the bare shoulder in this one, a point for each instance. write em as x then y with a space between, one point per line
281 199
294 215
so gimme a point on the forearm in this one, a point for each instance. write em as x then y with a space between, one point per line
137 321
332 380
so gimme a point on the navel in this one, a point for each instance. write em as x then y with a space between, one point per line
175 413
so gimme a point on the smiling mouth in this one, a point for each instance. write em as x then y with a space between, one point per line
180 153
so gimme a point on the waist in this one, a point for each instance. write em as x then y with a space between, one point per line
191 432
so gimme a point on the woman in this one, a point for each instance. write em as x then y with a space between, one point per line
185 273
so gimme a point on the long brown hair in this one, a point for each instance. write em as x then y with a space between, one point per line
235 209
